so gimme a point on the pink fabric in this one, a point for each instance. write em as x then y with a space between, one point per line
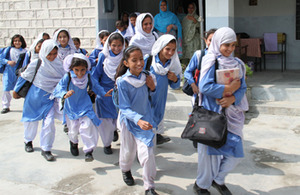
253 49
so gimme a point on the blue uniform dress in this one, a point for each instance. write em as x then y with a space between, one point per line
26 59
134 105
79 104
160 98
37 103
105 105
93 57
9 78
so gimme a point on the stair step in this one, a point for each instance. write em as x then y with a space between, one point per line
275 92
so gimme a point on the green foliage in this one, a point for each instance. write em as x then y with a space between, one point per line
249 72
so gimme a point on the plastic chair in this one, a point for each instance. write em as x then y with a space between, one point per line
281 50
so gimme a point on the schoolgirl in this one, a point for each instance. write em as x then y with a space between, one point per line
167 69
215 164
144 37
77 44
38 105
192 66
100 41
135 118
33 52
78 108
65 43
10 57
131 25
104 73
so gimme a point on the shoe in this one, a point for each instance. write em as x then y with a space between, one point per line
221 188
74 149
116 136
161 139
28 147
195 144
66 129
150 192
200 191
128 179
89 157
5 110
47 155
108 150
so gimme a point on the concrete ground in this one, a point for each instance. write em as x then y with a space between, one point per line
271 164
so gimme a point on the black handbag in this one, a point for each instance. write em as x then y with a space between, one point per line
206 127
25 88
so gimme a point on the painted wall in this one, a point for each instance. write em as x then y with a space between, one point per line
106 21
219 13
270 16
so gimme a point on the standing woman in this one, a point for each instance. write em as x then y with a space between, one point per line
10 57
166 22
38 105
215 164
144 37
190 32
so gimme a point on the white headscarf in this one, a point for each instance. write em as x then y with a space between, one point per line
174 66
142 39
111 63
33 55
50 72
81 83
63 52
98 41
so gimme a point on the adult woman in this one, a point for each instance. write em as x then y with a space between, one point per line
190 32
144 37
166 22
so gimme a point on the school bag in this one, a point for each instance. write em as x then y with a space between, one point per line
187 88
115 94
89 87
2 66
19 64
25 88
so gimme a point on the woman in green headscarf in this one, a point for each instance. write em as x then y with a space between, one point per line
191 35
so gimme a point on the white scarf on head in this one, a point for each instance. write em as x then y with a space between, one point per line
33 55
81 83
174 66
50 72
98 41
142 39
15 53
63 52
111 63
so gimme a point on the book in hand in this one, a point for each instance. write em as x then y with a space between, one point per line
225 76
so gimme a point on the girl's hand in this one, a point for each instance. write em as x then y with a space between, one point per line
169 28
172 76
69 94
12 63
235 85
226 101
195 88
108 94
144 125
15 95
150 82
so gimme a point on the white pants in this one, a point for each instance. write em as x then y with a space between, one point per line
6 98
213 167
48 129
160 127
106 130
129 147
87 130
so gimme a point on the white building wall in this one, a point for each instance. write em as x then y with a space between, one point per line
31 17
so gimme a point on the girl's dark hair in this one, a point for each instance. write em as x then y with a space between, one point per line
21 39
40 41
211 31
147 16
116 36
104 34
78 62
122 68
172 41
64 32
76 39
46 34
132 15
120 23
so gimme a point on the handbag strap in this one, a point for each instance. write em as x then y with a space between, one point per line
36 69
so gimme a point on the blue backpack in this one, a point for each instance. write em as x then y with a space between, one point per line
2 66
